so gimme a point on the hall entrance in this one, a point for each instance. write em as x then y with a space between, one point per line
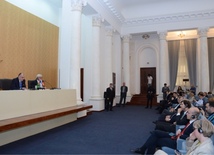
141 99
143 79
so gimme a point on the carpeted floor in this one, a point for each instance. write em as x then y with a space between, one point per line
113 132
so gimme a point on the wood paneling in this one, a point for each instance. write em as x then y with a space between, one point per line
141 99
18 122
28 44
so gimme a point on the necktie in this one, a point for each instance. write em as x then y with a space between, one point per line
172 115
211 117
20 85
181 133
183 115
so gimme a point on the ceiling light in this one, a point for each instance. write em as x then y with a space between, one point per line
145 36
181 34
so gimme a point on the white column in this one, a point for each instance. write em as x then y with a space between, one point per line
163 66
108 57
74 77
204 65
117 56
65 44
96 98
126 62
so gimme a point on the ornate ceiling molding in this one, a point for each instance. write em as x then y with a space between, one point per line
189 16
77 5
113 10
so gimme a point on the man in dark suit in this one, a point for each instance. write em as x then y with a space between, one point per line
123 93
18 83
160 138
110 94
178 118
150 95
165 88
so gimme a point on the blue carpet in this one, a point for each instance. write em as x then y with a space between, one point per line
113 132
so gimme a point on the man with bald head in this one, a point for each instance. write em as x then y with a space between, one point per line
161 138
18 83
123 93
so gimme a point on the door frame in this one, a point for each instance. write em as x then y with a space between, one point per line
143 78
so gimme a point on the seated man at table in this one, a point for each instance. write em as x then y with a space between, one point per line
18 83
38 83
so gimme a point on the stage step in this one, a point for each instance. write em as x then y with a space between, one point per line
141 99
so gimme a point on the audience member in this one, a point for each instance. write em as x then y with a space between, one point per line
193 89
210 110
171 110
180 90
200 137
110 94
165 89
179 118
18 83
199 142
174 99
164 104
123 93
191 97
209 95
201 101
161 138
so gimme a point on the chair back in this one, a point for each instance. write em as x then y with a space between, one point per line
5 84
31 84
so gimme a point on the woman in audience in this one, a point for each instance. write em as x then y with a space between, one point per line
191 97
204 129
180 90
199 141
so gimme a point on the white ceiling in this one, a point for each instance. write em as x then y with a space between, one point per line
134 11
147 8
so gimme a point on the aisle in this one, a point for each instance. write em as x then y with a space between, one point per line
113 132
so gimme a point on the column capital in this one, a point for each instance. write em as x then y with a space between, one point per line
109 31
76 5
162 35
202 32
126 38
97 20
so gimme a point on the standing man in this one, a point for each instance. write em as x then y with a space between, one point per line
110 94
150 95
165 89
18 83
193 89
149 78
123 93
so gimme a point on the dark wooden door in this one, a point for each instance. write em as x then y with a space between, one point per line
143 78
114 80
81 83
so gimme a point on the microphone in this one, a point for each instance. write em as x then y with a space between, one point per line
51 86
